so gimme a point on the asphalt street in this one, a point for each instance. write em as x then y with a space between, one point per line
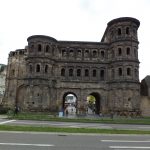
74 124
63 141
60 141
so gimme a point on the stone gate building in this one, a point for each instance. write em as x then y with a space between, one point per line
40 76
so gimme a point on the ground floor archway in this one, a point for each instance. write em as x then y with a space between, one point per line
93 103
69 105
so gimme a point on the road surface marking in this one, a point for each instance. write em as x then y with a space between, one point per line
144 127
125 141
24 144
74 127
4 122
127 147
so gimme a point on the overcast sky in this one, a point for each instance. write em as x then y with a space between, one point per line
72 20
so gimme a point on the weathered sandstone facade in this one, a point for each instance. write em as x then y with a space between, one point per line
41 75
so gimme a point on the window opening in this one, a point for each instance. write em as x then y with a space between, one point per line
128 51
102 54
39 47
102 74
78 72
94 73
71 53
127 31
79 53
86 53
94 53
38 68
64 53
63 72
119 51
13 72
46 69
70 72
119 31
120 71
86 72
128 71
47 48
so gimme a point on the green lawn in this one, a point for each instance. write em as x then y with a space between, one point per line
69 130
52 117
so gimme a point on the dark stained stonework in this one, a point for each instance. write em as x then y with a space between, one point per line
145 86
40 75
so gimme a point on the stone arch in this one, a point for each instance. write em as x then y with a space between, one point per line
39 47
97 102
72 104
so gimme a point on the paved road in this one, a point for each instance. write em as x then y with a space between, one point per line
59 141
73 124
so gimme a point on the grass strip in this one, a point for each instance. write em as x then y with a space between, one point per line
145 121
70 130
83 119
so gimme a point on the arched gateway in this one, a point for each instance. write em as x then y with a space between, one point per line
95 104
51 71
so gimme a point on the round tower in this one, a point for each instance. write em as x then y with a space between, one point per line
39 77
124 94
41 51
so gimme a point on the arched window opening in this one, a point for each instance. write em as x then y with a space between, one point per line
127 31
129 71
63 72
39 47
119 51
102 74
86 53
70 72
46 68
93 104
71 53
64 53
13 72
94 73
120 71
86 72
128 51
69 104
38 68
119 31
47 48
102 54
78 72
79 53
94 53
